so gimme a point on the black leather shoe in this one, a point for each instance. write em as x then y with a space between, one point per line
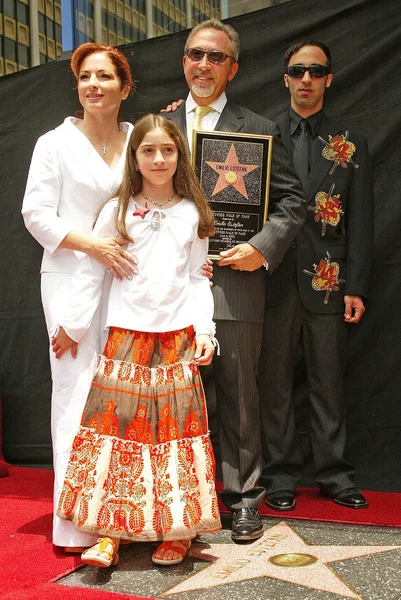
281 500
246 525
350 497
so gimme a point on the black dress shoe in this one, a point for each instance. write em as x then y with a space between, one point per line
246 525
350 497
281 500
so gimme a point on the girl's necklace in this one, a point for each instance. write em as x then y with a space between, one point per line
103 146
155 203
155 221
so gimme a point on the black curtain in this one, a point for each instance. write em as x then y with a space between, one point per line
365 40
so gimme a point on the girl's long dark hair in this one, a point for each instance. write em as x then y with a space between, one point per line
185 181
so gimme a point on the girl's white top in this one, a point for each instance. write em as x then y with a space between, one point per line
67 184
168 293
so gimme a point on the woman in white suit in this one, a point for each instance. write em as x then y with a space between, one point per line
74 169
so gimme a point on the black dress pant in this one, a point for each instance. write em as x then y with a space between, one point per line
238 409
324 343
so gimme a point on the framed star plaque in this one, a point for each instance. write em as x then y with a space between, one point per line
234 171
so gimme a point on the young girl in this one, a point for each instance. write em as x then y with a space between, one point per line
142 466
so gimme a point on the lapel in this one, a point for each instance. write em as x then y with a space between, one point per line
180 118
231 119
283 121
320 165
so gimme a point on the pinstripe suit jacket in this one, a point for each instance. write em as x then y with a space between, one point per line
240 295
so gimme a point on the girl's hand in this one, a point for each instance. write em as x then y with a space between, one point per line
109 252
61 342
204 350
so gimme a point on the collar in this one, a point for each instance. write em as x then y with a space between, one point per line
314 121
217 105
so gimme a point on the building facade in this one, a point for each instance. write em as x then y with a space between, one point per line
33 32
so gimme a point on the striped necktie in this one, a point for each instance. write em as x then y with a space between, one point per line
200 112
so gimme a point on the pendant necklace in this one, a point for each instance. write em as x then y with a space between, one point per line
103 146
156 216
155 203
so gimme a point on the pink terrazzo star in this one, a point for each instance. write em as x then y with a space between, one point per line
232 563
231 172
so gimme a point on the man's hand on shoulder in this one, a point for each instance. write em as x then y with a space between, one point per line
354 308
173 106
243 257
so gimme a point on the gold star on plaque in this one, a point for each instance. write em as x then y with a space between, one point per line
279 554
231 172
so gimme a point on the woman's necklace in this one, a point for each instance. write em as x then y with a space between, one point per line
155 203
103 146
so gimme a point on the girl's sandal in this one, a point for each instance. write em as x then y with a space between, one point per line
103 554
181 547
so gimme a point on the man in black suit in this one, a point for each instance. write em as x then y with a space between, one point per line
210 62
318 289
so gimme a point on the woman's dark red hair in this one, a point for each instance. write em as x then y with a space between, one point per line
117 58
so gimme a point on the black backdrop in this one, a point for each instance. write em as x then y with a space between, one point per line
365 39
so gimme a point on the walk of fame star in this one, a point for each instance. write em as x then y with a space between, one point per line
280 554
231 172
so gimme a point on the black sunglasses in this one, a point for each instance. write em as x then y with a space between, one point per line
315 71
214 56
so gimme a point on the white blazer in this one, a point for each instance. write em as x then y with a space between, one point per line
67 184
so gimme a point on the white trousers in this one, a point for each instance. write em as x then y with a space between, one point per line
71 382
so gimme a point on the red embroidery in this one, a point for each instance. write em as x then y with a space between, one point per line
128 485
167 426
325 278
339 150
328 209
109 424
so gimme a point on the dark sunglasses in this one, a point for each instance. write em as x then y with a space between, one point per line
214 56
315 71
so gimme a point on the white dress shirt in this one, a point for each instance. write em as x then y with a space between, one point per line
210 120
67 183
167 294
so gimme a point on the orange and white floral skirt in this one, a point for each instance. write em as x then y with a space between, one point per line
142 466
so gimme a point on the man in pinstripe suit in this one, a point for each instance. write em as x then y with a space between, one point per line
210 62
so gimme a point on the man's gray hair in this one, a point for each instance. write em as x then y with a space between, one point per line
215 24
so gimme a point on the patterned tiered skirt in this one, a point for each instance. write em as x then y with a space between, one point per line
142 466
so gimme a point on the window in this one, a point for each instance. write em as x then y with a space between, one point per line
22 13
58 33
120 27
42 24
111 22
23 55
10 49
9 8
49 27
